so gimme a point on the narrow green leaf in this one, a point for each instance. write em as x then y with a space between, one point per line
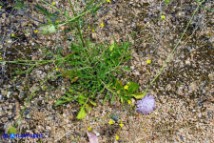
132 87
81 99
93 103
12 130
139 95
64 99
82 113
43 10
48 29
59 102
88 108
126 68
112 46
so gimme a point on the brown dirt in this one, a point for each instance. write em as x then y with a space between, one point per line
184 92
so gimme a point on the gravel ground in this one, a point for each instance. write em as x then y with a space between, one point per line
183 93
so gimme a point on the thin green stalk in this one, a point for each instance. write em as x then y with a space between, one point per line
77 25
174 49
33 61
78 16
106 87
27 62
55 8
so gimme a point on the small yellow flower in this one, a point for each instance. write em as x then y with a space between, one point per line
0 58
109 1
131 102
89 128
121 125
13 35
117 137
163 17
57 69
92 30
53 3
148 61
0 6
111 122
36 31
102 24
126 87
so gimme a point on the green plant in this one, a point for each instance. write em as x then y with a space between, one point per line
53 21
93 75
167 2
92 68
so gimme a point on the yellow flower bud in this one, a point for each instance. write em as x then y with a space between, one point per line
121 125
53 3
111 122
89 128
148 61
117 137
102 24
126 87
36 31
163 17
57 69
13 35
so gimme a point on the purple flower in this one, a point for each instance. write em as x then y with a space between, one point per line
92 137
146 105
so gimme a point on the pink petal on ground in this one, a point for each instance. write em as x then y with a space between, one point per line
92 137
146 105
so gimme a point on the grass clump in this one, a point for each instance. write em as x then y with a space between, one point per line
93 74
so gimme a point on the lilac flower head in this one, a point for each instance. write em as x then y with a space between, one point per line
146 105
